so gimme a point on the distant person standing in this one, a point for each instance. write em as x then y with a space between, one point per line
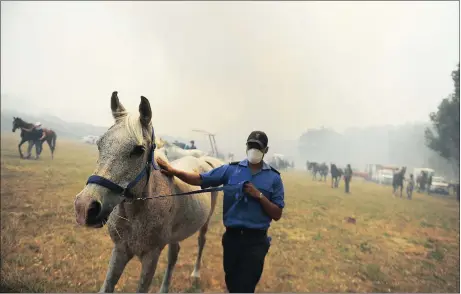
347 177
422 181
192 145
410 186
429 183
457 192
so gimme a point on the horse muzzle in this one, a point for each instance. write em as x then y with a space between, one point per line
89 212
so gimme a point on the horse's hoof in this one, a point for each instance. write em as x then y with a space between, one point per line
195 274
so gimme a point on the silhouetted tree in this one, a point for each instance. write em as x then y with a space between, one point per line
443 137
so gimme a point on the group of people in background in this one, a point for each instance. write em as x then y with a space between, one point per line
185 146
424 182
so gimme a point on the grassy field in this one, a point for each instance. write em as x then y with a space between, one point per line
396 245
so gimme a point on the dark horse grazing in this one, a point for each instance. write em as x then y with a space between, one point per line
313 168
323 171
26 136
397 180
336 174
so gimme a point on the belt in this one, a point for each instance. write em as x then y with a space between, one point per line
246 231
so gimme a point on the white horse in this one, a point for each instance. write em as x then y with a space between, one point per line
173 152
213 161
142 228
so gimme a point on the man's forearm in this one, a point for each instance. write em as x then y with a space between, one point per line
190 178
271 209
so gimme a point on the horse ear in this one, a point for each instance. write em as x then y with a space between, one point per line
145 112
117 108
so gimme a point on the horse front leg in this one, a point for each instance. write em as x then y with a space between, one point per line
118 260
149 265
173 252
29 149
19 148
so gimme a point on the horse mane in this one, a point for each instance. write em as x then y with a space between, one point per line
23 122
133 125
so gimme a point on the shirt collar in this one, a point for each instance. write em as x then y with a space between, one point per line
245 164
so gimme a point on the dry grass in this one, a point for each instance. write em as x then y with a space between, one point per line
396 245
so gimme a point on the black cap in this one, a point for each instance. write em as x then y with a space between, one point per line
258 137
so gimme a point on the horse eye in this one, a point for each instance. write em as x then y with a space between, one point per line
137 150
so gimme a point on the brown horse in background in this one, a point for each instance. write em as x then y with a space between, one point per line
50 138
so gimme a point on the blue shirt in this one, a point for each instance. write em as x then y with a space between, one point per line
247 211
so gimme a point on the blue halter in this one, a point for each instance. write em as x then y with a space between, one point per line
125 192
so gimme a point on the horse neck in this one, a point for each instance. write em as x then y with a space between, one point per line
23 124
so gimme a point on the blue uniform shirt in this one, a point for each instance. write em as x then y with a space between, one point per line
247 212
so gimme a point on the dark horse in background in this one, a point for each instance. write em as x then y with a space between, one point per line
397 180
312 167
33 137
336 174
323 171
315 168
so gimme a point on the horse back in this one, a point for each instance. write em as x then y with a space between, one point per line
49 132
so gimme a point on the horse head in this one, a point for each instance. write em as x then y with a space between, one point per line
124 150
17 123
403 170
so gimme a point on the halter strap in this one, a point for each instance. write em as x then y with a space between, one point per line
126 192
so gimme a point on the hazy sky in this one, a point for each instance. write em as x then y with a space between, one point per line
232 67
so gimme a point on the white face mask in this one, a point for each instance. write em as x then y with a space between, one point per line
254 156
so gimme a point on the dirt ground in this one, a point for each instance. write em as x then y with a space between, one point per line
396 245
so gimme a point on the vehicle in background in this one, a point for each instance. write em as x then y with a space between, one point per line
385 176
90 139
360 174
373 171
439 186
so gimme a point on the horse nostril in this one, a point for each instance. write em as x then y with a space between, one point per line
93 212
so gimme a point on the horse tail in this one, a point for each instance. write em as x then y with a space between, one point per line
53 140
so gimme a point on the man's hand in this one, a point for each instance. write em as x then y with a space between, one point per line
165 168
251 190
270 208
190 178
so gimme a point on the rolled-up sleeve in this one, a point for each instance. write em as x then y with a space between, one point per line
215 177
278 196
